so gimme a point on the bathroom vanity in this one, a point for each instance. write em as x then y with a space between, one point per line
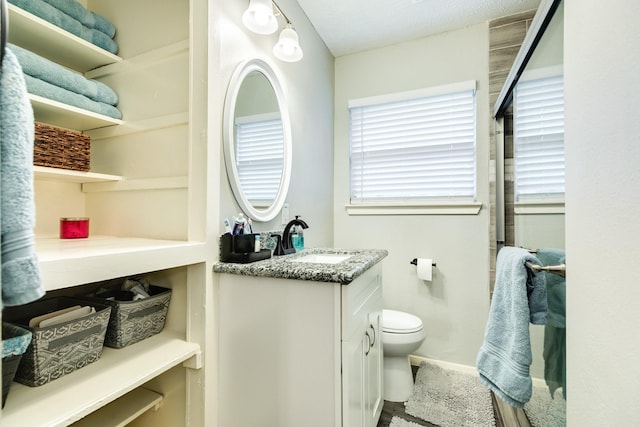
299 340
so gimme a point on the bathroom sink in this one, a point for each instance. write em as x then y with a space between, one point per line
323 258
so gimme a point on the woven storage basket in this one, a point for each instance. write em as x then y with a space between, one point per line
60 148
133 321
61 349
15 341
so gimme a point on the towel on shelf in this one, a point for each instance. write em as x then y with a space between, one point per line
519 297
50 72
56 93
554 352
21 281
60 19
89 19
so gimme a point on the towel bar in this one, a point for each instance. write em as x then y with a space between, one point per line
560 270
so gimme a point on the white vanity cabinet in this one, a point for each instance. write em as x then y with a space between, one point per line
362 359
147 203
300 352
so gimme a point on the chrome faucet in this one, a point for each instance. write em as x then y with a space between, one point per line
285 246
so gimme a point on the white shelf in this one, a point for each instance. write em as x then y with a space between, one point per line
71 262
70 398
67 116
65 175
54 43
122 411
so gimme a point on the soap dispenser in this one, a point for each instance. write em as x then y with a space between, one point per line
297 238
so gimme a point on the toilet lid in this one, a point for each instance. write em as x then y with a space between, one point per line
400 322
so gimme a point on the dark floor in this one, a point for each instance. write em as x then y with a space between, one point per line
391 409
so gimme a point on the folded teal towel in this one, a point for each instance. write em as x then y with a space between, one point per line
60 19
50 72
555 353
519 297
89 19
21 281
56 93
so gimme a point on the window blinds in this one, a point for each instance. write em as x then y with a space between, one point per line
413 149
259 157
539 139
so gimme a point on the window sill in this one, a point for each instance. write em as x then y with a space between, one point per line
430 209
538 207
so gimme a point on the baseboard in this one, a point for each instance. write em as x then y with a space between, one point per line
416 360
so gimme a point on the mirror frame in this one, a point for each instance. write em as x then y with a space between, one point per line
238 76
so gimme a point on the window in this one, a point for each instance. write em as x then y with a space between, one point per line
414 147
259 157
538 129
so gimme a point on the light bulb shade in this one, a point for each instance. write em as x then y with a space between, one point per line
259 17
288 48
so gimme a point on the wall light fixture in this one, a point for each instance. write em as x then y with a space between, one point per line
260 19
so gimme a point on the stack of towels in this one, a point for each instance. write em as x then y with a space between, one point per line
73 17
53 81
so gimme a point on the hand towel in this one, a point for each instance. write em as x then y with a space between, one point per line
50 72
56 93
519 297
21 281
87 18
554 352
60 19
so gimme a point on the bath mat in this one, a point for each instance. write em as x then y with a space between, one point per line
400 422
543 411
450 398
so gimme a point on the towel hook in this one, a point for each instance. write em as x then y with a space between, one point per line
4 31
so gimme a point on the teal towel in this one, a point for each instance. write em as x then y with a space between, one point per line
60 19
56 93
86 17
50 72
555 353
21 281
519 297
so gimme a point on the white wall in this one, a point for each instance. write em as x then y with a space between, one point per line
309 89
602 65
454 306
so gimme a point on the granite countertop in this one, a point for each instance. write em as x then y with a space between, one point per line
286 267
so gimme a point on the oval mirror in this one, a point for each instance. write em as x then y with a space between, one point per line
257 140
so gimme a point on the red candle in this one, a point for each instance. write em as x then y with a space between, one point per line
74 228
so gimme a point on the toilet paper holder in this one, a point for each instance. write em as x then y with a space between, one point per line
415 262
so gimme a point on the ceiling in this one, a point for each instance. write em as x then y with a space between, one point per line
349 26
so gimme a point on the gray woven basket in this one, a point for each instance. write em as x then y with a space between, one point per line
60 349
134 321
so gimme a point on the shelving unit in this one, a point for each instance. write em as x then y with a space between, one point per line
67 116
148 201
118 371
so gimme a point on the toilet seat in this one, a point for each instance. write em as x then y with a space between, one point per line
398 322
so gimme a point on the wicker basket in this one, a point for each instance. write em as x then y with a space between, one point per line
60 148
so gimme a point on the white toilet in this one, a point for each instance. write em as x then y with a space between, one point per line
402 334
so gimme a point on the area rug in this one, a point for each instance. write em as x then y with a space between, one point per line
400 422
450 398
543 411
